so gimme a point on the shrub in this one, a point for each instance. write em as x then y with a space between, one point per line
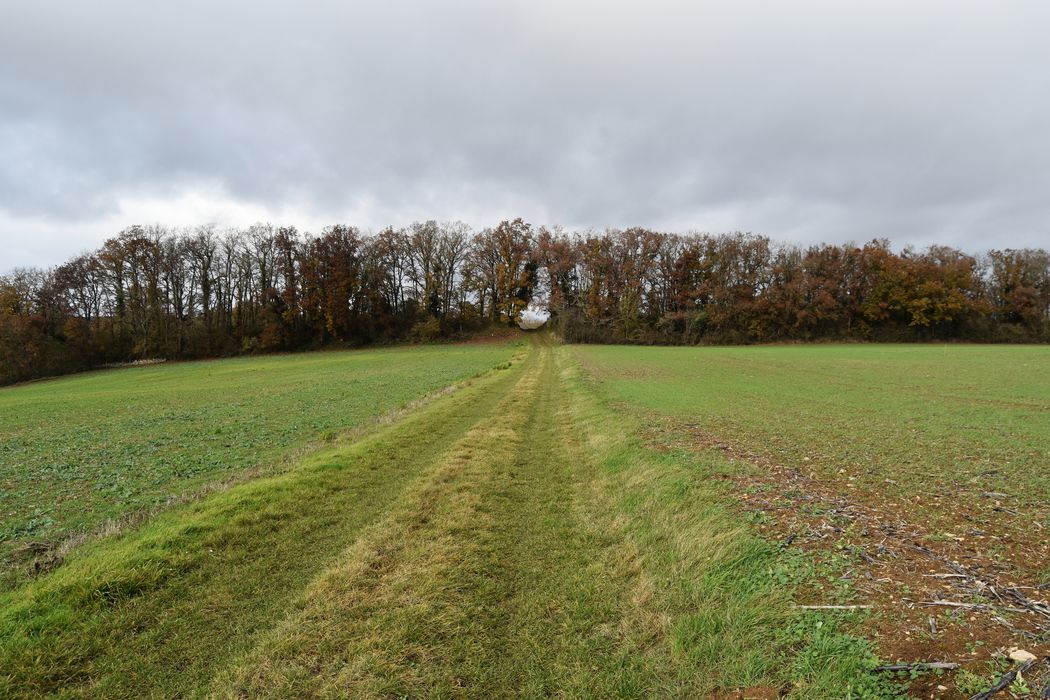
426 331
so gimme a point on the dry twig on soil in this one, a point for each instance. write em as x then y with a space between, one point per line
920 666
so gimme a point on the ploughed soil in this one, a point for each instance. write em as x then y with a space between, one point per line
935 595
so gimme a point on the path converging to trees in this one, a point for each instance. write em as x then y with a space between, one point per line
483 545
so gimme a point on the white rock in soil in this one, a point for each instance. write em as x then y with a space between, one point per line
1020 655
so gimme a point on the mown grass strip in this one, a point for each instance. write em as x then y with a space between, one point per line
483 583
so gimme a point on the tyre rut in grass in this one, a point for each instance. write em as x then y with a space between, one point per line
481 582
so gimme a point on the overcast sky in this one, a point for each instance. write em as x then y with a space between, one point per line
920 120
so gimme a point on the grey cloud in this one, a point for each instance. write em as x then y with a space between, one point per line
807 121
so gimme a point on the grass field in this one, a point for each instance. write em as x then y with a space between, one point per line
78 451
891 466
929 418
574 521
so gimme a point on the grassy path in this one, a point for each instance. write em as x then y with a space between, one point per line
512 540
483 582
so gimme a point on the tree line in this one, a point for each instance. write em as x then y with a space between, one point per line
160 292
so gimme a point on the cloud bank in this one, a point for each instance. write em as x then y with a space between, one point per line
805 121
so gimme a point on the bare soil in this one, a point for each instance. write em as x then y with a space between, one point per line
933 597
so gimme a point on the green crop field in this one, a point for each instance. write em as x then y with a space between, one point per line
969 419
570 521
78 451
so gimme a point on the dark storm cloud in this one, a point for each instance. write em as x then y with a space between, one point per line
807 121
